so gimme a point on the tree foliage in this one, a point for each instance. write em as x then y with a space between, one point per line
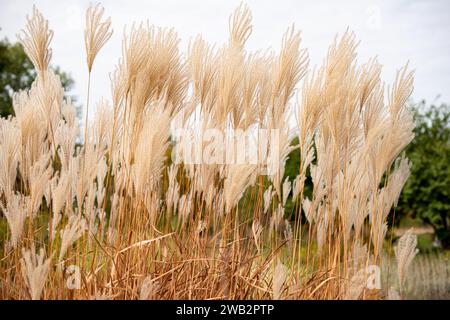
427 192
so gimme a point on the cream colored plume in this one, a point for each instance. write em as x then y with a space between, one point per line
96 34
35 269
36 41
405 251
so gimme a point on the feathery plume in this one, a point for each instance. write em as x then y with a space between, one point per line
287 185
405 251
148 288
96 34
173 191
36 41
185 206
297 186
278 280
15 213
256 232
239 178
35 270
72 232
9 156
150 150
356 285
240 25
268 194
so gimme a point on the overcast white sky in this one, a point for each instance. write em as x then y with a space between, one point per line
395 31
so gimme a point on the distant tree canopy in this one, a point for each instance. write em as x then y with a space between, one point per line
426 194
18 73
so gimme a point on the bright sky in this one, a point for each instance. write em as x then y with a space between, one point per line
395 31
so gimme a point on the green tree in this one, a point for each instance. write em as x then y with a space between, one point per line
427 192
18 73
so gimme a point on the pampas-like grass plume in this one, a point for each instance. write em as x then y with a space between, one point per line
239 178
16 213
72 232
35 269
36 41
96 34
278 281
405 251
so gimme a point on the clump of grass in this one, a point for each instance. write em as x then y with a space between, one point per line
135 225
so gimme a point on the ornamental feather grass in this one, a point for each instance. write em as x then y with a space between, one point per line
140 219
